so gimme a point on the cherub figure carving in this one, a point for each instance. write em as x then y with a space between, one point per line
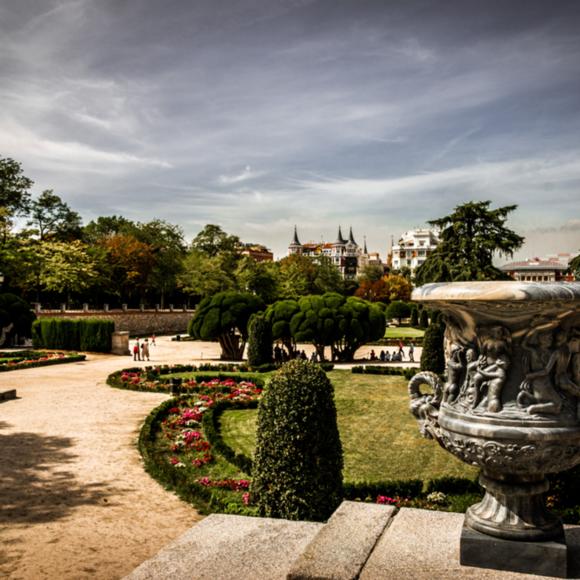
455 369
495 376
537 392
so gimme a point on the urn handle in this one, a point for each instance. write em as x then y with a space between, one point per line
425 406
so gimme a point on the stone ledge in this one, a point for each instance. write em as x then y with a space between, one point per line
341 548
7 395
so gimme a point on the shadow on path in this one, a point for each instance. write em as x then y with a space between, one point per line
34 487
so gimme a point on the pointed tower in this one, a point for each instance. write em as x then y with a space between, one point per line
351 238
295 246
339 240
365 251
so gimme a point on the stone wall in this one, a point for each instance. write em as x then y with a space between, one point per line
145 322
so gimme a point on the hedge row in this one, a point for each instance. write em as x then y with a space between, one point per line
408 373
91 334
68 358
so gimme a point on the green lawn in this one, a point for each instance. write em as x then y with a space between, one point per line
403 332
379 436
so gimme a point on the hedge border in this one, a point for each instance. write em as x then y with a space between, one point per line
44 363
407 372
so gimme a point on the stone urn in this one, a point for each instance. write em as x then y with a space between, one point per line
510 402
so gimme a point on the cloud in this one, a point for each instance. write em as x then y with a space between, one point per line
245 175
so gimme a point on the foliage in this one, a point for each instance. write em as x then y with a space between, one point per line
298 463
333 320
469 239
225 317
399 310
574 267
296 278
259 278
204 275
386 289
14 186
16 318
32 359
212 241
371 273
384 370
423 319
432 357
88 334
279 316
53 218
414 316
259 341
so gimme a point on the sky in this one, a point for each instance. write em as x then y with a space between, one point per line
259 115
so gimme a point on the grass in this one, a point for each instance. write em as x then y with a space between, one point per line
379 436
403 332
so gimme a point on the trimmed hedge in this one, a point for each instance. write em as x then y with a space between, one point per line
36 362
403 488
259 341
408 373
91 334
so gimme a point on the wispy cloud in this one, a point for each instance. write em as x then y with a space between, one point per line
245 175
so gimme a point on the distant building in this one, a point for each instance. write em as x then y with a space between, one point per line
345 254
257 252
551 269
413 248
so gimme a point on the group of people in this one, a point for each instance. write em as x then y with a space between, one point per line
281 356
141 349
397 356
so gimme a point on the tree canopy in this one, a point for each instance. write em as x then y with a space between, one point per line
469 238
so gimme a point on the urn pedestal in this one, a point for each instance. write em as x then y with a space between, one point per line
509 405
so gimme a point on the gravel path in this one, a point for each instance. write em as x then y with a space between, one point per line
75 501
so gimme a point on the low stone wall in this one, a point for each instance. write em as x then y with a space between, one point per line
145 322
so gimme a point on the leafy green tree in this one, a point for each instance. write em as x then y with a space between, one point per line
16 318
371 273
297 275
107 226
225 317
297 471
414 316
423 319
14 186
469 239
327 277
204 276
259 341
212 240
52 218
260 278
399 310
574 267
279 315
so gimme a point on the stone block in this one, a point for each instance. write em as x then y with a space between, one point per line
7 395
230 548
341 548
541 558
120 343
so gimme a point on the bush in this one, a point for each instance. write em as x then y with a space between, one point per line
90 334
399 310
453 486
298 461
414 317
259 341
432 357
408 488
16 318
408 373
423 319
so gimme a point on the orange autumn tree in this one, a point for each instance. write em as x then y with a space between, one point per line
388 288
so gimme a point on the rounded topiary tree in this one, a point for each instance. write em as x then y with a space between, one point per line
414 316
297 471
424 319
399 310
279 316
259 341
224 316
433 356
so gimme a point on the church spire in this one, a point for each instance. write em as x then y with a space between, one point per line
295 241
340 239
365 251
350 237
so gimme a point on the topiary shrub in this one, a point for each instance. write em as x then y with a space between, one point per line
93 334
433 357
16 319
297 471
414 316
259 341
424 319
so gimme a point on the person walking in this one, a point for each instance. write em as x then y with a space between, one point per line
411 353
401 351
145 350
136 350
153 340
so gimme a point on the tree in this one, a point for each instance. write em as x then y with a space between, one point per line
399 310
259 341
296 278
469 239
279 315
14 186
204 276
51 217
574 267
212 240
225 317
371 273
297 471
16 319
414 316
344 324
433 356
424 319
327 278
260 278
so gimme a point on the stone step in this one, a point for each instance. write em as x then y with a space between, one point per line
223 547
341 548
7 395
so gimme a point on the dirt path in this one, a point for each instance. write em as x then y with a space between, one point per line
75 501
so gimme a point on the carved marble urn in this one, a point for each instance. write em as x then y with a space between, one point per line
510 403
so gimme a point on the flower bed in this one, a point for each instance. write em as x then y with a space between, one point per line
177 450
159 378
13 361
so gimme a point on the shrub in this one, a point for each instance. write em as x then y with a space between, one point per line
423 319
399 310
16 318
259 341
298 462
432 357
90 334
414 316
408 488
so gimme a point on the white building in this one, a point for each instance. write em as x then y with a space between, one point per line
413 248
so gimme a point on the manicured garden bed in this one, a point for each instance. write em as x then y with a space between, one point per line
13 361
